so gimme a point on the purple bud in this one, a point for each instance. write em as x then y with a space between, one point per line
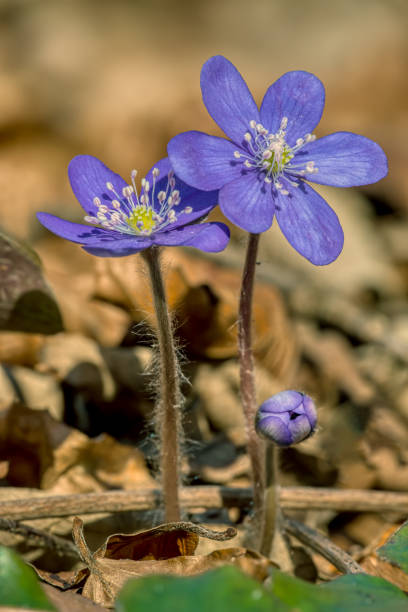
286 418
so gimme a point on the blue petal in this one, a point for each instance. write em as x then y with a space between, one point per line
206 162
209 237
281 402
309 224
227 97
164 167
344 159
122 248
112 243
201 202
248 203
88 177
297 95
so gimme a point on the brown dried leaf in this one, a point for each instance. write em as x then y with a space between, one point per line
167 549
204 297
26 302
44 453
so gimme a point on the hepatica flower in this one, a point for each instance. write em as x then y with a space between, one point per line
287 418
262 170
123 220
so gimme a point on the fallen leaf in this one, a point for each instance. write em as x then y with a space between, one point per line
26 302
167 549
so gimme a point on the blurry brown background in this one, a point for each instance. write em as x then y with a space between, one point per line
119 79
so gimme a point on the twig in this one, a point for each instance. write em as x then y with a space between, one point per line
39 537
311 498
322 545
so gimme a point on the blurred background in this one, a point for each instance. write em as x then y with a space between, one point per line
118 79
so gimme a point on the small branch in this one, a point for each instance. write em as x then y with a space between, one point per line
256 447
168 403
291 498
39 537
322 545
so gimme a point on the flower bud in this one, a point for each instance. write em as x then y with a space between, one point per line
286 418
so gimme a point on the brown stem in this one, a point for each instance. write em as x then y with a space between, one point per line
167 416
271 497
256 446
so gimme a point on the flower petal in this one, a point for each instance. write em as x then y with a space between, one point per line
203 161
344 159
309 224
121 248
112 243
297 95
227 97
88 177
248 203
200 202
209 237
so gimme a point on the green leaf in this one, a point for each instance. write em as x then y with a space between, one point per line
395 550
19 586
219 590
351 593
26 301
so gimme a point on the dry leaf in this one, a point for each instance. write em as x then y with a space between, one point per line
167 549
44 453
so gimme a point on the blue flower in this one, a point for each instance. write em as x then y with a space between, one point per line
262 170
124 221
286 418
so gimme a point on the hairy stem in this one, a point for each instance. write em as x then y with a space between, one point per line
167 417
271 508
247 380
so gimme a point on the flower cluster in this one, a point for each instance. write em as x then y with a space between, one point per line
125 222
261 171
286 418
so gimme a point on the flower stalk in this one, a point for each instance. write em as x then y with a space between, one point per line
256 447
167 417
271 512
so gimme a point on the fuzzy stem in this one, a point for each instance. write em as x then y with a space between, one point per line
167 417
271 512
256 447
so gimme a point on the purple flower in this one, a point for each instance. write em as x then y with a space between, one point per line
262 170
124 221
286 418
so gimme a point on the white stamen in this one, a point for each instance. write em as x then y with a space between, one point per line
237 154
248 137
252 124
155 172
247 164
97 201
116 204
188 210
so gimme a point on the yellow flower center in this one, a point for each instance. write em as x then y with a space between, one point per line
141 220
278 160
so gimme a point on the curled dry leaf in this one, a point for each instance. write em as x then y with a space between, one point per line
167 549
